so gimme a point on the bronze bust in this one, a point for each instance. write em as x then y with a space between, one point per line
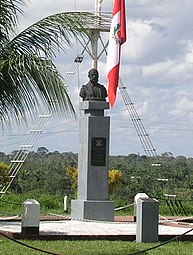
93 90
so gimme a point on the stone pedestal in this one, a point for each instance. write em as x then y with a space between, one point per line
30 217
93 164
147 220
138 196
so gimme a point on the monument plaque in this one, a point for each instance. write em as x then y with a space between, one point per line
98 151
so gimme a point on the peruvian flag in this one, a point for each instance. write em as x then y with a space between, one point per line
116 39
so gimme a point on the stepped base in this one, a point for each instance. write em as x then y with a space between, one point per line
92 210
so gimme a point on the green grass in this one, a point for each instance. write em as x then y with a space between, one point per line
11 205
8 247
54 204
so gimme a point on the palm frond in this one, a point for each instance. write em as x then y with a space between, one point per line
53 32
29 83
8 16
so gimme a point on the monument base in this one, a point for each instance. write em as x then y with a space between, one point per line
92 210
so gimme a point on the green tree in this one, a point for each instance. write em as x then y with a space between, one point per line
29 79
116 178
4 176
72 173
42 150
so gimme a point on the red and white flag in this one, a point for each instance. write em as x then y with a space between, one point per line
116 39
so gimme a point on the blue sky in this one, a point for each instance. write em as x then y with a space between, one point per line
156 67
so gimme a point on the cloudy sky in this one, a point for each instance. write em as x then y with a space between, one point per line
156 68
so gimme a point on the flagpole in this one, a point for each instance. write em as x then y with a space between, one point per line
95 36
98 6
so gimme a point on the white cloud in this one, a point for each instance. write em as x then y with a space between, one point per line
157 69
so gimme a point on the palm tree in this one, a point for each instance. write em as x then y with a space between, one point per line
29 79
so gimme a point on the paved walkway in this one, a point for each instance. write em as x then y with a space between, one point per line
124 228
82 229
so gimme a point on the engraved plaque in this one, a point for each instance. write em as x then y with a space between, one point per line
98 151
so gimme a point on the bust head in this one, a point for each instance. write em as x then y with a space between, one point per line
93 75
93 90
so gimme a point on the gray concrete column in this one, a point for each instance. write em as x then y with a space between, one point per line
93 164
147 220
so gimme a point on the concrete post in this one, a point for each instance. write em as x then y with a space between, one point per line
147 220
30 217
65 203
93 164
139 195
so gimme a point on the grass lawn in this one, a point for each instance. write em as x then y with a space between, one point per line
8 247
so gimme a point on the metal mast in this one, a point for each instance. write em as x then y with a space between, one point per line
102 24
95 36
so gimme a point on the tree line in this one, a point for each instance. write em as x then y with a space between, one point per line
56 173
